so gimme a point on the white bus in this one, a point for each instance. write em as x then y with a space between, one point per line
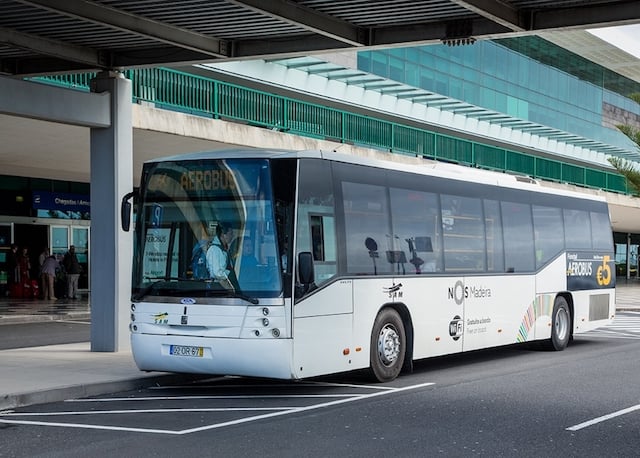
355 263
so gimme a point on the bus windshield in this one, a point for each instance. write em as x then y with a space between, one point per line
206 229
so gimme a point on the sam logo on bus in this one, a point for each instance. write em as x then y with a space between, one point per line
161 318
393 291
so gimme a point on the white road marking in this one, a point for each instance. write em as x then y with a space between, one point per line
74 322
276 385
302 409
221 396
352 385
286 411
125 411
595 421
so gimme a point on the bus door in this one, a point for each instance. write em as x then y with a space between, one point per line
323 311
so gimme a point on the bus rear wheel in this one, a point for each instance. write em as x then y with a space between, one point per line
560 325
388 346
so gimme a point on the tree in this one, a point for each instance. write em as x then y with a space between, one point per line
626 168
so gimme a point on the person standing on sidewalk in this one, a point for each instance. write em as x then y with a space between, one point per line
49 268
73 269
13 279
41 275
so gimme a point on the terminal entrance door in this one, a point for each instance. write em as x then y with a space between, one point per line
6 238
34 237
80 239
62 237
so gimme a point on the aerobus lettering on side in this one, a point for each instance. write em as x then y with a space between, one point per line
589 271
459 292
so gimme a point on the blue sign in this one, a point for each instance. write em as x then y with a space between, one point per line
156 215
43 200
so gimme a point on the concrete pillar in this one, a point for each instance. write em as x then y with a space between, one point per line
628 257
111 248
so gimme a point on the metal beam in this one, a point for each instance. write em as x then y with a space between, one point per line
496 11
306 18
593 16
432 32
290 46
48 103
54 48
138 25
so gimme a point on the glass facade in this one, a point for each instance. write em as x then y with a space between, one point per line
527 78
495 77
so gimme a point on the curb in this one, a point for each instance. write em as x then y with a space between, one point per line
12 401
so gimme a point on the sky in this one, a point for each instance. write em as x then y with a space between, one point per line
625 37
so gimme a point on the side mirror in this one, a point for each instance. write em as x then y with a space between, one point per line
305 268
125 211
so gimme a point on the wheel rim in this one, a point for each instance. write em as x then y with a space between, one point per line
562 323
388 345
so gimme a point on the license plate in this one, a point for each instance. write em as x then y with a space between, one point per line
186 350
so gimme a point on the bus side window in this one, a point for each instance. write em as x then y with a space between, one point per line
366 216
415 221
323 238
493 229
601 228
577 224
316 222
518 237
549 233
463 234
323 246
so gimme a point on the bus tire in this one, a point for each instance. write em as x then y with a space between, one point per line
388 346
560 325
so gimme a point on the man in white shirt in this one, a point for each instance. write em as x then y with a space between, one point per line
217 254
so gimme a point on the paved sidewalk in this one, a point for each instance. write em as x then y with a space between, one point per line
36 375
53 373
628 295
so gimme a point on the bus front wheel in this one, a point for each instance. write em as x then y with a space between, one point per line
388 346
560 325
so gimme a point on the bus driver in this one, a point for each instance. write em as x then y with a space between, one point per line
218 255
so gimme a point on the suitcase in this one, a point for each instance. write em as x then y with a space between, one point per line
26 289
16 290
35 289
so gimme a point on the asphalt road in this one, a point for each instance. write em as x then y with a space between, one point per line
514 401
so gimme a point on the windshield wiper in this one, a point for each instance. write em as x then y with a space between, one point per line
229 291
218 292
252 300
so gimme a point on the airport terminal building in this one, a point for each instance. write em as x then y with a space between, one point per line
545 107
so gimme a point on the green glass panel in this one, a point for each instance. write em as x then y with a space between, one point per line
454 149
595 178
572 174
521 163
410 140
367 131
548 169
489 156
616 183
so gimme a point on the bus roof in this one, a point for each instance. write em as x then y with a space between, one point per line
410 164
